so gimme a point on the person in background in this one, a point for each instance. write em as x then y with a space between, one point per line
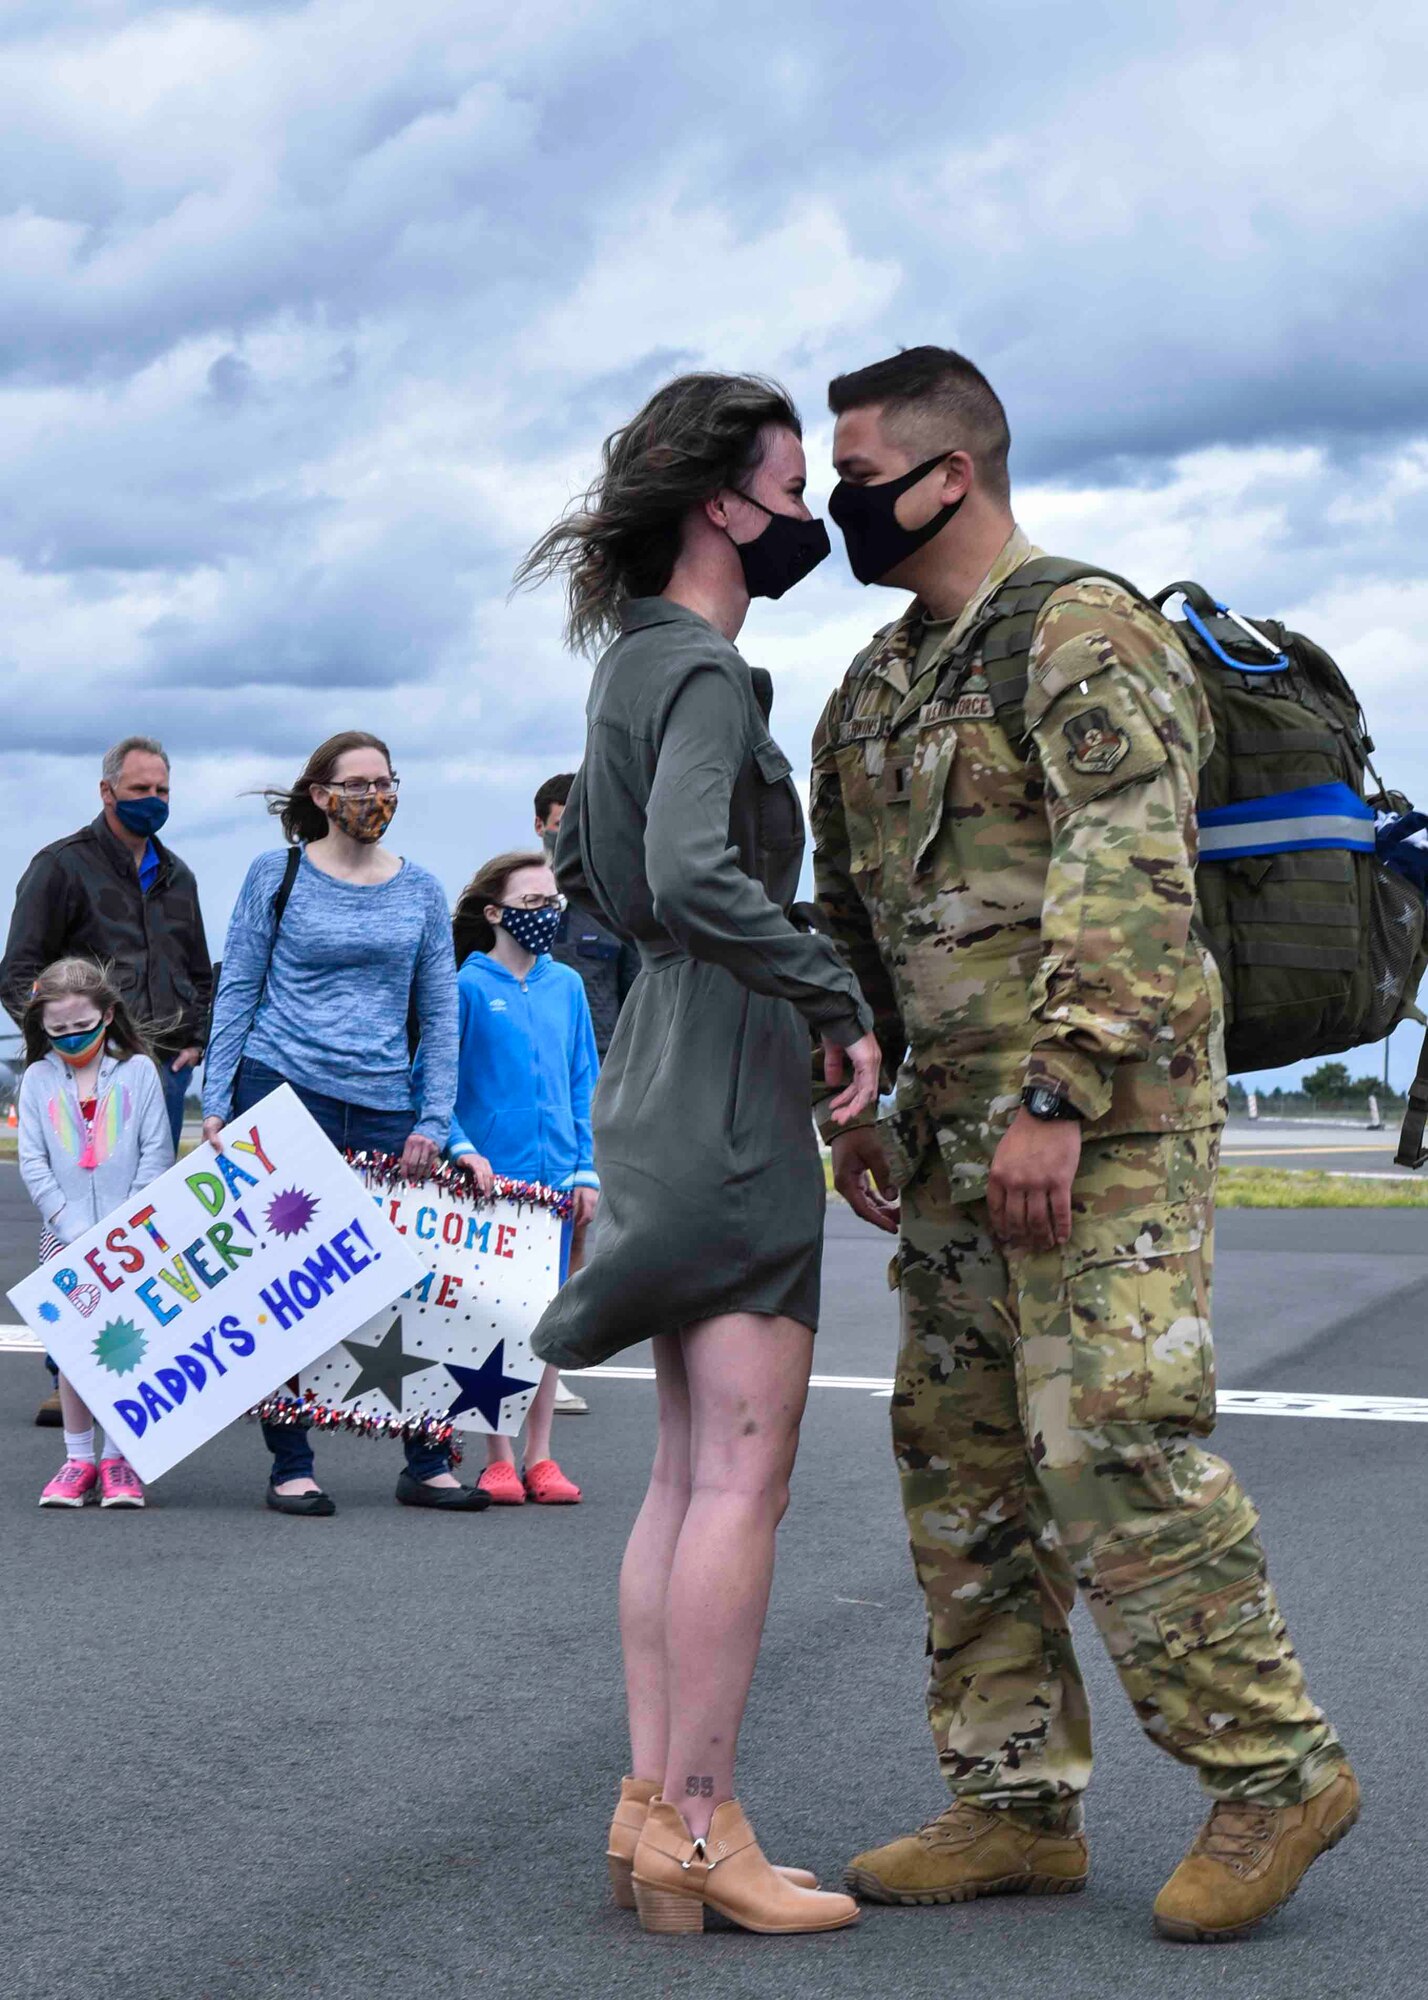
525 1075
607 963
316 990
94 1129
113 892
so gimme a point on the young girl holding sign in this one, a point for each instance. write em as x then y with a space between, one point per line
525 1075
93 1130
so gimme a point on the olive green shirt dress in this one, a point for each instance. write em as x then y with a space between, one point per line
684 832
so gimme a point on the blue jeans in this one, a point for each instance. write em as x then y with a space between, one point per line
176 1085
353 1128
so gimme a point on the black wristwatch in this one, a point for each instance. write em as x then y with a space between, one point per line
1043 1102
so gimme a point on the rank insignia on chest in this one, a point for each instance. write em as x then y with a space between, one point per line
1096 744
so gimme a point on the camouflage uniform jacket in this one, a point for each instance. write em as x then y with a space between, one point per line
1020 913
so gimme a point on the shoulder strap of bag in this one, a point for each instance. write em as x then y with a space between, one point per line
280 903
1004 631
285 889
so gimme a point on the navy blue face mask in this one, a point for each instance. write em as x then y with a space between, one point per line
143 816
537 930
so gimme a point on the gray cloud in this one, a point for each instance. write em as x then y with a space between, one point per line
297 353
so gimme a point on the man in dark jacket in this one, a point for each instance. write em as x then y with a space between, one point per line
607 964
114 892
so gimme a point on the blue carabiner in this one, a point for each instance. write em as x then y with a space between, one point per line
1197 624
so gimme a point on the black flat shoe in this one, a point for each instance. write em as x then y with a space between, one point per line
300 1503
450 1499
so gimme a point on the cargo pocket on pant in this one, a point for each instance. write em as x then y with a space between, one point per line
1141 1348
1216 1616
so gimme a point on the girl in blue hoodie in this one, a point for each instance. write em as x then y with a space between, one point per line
526 1070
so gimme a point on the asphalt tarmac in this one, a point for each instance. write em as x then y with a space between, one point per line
373 1757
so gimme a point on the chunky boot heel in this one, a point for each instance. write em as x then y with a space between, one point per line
624 1837
666 1913
676 1878
622 1886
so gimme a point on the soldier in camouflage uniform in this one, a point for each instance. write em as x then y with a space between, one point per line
1004 807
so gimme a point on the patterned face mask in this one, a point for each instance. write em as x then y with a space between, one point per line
81 1047
535 929
361 819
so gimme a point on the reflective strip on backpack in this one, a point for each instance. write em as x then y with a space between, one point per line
1313 816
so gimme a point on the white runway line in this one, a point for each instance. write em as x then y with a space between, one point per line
1232 1402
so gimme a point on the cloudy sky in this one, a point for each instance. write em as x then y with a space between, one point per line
314 312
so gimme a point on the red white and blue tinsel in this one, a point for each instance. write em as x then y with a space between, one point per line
385 1171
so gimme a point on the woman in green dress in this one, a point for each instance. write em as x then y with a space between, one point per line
684 832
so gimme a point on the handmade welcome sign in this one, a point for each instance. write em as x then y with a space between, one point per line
222 1279
455 1350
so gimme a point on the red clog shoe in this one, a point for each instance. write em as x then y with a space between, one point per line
548 1486
503 1483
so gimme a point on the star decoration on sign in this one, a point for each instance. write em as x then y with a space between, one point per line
383 1368
484 1389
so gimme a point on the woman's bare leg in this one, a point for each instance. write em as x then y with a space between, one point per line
644 1574
748 1381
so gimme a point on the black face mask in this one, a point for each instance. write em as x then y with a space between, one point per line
783 554
875 538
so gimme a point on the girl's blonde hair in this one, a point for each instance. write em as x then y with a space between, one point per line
62 981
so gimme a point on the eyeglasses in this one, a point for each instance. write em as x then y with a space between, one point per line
537 903
367 788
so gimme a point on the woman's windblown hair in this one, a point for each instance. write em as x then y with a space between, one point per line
696 435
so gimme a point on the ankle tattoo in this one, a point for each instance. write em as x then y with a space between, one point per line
698 1788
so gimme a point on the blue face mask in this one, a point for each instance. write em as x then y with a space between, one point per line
143 816
537 930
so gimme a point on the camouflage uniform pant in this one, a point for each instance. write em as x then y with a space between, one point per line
1044 1423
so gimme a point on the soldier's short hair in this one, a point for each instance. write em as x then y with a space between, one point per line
554 792
113 764
933 396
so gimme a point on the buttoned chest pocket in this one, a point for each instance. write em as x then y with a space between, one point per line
780 816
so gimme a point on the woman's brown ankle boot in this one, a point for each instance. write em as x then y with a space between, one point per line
636 1797
625 1830
676 1877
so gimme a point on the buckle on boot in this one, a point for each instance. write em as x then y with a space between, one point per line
698 1853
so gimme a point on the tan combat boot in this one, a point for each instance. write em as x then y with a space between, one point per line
637 1795
1248 1860
968 1851
677 1877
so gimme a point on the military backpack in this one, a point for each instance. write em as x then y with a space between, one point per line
1309 895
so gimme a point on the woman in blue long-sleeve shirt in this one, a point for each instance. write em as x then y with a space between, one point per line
526 1070
328 950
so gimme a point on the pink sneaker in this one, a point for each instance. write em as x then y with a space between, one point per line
119 1484
73 1485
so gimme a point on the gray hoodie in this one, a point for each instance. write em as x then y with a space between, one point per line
133 1142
